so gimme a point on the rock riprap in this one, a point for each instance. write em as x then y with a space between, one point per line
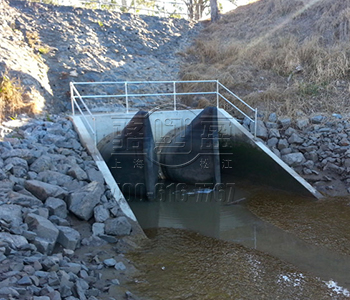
48 46
317 147
41 202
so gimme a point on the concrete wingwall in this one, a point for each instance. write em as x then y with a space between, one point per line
251 159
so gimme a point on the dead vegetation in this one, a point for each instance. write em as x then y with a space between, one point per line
13 99
287 56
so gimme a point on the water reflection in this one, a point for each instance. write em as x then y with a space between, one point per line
199 210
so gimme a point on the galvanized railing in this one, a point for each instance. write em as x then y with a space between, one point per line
220 91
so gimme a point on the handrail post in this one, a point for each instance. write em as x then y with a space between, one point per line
256 122
126 97
174 90
217 93
95 132
72 97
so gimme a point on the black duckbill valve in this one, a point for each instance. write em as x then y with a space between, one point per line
131 157
192 156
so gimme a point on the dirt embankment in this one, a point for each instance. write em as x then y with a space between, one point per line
289 56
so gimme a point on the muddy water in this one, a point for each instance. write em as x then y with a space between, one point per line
211 251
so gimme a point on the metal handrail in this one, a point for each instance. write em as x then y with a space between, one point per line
125 84
73 101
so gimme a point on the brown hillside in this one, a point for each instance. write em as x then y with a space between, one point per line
287 56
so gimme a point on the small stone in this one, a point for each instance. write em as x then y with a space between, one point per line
110 262
295 139
302 123
77 173
56 207
98 229
120 266
284 122
118 226
294 159
282 144
273 132
68 237
101 213
272 142
273 117
317 119
25 280
261 130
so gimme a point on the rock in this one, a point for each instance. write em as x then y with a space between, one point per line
83 201
284 122
294 159
68 237
8 291
41 164
282 144
11 214
120 266
110 262
93 241
344 142
289 131
77 173
58 221
75 268
295 139
101 213
81 287
334 168
47 232
272 142
16 241
317 119
276 152
56 207
274 133
53 177
261 130
273 117
25 280
43 190
302 123
118 226
98 229
95 175
23 200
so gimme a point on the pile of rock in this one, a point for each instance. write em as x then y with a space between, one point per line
317 147
47 180
48 46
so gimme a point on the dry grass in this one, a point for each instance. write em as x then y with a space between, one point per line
13 99
287 56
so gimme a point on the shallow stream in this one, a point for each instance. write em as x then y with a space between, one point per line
202 253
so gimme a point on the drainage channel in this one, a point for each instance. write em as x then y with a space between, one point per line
184 168
198 209
215 205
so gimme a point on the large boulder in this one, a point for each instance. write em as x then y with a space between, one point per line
43 190
47 233
83 201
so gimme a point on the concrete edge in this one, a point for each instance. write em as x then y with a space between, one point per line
89 144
